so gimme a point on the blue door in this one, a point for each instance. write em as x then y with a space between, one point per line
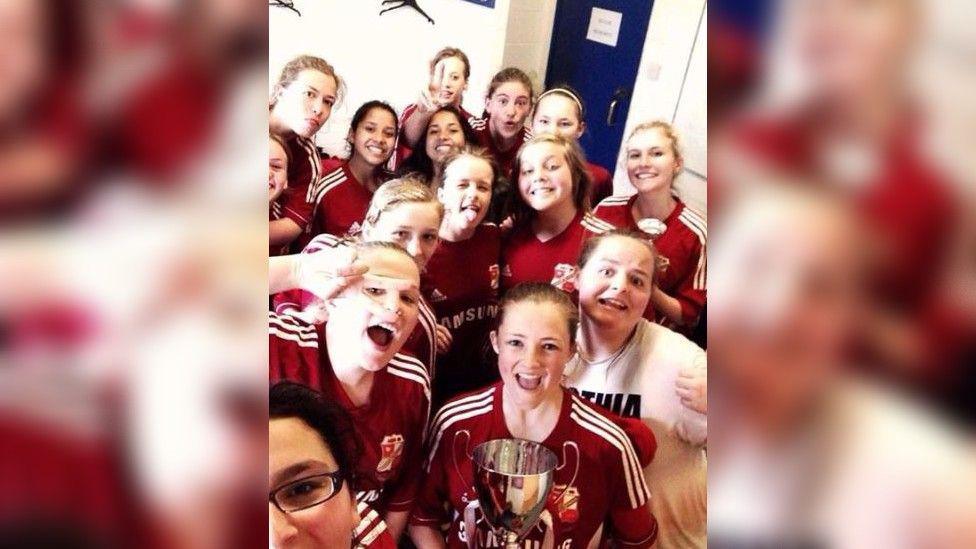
603 74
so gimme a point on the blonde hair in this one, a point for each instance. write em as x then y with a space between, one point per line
666 129
577 168
294 67
409 189
447 53
480 153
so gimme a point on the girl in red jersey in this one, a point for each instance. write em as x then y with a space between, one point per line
278 161
404 211
341 196
461 280
560 111
449 73
679 233
550 210
599 481
354 360
446 131
507 104
311 458
302 101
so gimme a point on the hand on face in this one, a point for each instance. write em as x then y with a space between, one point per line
328 273
379 312
447 83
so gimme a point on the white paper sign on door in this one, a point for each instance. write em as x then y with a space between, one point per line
604 26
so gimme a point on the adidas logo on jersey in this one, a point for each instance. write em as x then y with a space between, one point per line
437 296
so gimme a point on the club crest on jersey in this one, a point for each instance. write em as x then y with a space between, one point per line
564 277
662 263
564 503
493 274
390 451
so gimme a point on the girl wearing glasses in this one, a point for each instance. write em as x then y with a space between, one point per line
310 458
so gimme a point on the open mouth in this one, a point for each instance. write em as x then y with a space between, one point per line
612 303
528 382
443 147
375 150
646 175
381 334
542 191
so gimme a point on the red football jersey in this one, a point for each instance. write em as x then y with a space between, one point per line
421 344
276 211
505 159
461 283
371 532
682 249
403 150
525 258
339 203
390 430
599 482
303 170
601 182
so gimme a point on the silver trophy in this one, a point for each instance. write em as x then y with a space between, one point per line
513 479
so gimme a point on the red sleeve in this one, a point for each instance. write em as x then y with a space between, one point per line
293 349
691 290
432 502
404 492
631 522
640 435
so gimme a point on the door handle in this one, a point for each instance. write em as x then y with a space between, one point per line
612 111
618 94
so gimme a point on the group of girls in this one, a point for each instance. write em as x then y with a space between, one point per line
397 302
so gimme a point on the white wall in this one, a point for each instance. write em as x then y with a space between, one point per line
529 34
386 57
671 85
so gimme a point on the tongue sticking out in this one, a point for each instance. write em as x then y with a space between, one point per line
379 335
529 383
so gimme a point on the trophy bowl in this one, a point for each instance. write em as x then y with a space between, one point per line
513 478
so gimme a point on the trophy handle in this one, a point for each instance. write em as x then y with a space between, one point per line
566 462
467 454
470 527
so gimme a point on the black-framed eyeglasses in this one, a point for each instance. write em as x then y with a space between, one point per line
306 492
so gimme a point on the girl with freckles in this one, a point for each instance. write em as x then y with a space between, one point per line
599 481
301 103
550 212
372 293
643 370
